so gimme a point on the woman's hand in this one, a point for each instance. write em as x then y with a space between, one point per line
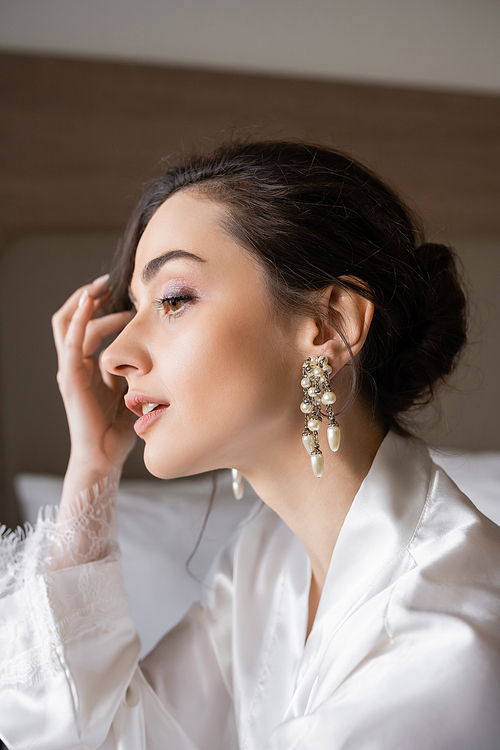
100 425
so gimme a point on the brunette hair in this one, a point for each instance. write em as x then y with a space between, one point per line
313 217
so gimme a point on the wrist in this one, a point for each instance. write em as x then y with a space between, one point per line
82 477
96 467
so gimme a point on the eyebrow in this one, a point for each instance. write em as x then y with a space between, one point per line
152 268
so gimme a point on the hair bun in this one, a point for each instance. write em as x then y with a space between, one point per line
443 301
438 329
436 257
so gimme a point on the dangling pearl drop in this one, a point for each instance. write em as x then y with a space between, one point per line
237 484
333 435
308 440
317 463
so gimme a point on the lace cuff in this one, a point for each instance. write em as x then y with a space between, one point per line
39 621
87 536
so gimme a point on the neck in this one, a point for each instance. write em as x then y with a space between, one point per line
315 509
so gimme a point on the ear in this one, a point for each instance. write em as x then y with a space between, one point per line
345 311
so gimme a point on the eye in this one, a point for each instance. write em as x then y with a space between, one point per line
173 304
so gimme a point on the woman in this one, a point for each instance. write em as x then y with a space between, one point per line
274 287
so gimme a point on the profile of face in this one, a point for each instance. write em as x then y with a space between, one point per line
205 346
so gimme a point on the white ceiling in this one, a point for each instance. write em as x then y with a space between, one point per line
431 43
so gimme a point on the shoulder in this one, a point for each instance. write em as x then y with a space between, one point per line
453 538
433 660
447 606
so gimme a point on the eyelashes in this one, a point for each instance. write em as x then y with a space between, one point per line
172 303
175 304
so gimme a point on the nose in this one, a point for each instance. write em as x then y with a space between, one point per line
127 354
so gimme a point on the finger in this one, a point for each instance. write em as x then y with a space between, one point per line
72 350
62 318
95 289
99 328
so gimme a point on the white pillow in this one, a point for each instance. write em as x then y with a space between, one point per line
159 523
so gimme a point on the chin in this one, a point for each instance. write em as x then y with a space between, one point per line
160 466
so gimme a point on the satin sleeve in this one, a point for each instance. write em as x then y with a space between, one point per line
190 670
69 651
70 676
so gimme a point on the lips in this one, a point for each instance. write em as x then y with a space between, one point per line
142 404
147 408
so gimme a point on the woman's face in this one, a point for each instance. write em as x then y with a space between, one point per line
204 346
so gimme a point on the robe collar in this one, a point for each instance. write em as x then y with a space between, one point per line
381 523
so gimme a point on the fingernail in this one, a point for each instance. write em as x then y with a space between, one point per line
83 297
101 280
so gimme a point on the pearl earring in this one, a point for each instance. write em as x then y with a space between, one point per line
317 392
237 484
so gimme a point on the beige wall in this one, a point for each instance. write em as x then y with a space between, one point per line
446 43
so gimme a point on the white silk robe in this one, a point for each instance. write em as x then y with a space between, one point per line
404 653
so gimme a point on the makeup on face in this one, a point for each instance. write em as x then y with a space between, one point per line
196 350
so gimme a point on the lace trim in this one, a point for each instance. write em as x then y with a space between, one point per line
27 656
53 610
62 579
86 536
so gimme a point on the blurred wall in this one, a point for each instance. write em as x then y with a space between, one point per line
445 43
78 137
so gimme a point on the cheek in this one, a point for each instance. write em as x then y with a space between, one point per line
227 367
243 370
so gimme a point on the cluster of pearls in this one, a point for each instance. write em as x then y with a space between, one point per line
315 382
317 393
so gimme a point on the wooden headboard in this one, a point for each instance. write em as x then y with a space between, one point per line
78 138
